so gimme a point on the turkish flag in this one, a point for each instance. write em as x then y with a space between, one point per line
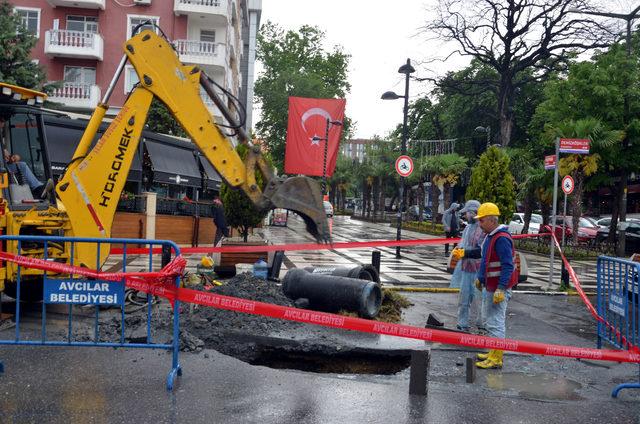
306 132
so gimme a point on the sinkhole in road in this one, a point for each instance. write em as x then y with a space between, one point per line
279 353
319 361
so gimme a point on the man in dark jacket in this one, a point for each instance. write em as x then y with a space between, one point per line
219 220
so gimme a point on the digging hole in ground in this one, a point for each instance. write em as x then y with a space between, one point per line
320 361
312 355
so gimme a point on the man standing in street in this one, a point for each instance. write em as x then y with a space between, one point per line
466 270
450 224
219 220
497 274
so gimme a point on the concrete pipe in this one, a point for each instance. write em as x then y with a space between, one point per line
364 272
331 293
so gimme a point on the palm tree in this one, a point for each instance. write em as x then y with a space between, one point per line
445 171
582 166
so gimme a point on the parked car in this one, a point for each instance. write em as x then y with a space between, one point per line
517 223
632 236
414 212
606 222
587 229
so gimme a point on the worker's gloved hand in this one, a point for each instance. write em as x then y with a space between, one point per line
478 284
498 296
457 253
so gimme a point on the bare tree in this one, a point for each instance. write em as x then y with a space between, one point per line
522 40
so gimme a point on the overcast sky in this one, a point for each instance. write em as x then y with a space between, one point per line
379 36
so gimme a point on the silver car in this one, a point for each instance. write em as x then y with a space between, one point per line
517 223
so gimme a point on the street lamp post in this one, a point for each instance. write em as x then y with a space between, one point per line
326 148
407 70
629 17
488 131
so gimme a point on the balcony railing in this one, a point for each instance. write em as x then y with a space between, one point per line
74 95
67 43
205 8
201 52
85 4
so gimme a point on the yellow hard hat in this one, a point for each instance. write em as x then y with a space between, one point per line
206 261
488 209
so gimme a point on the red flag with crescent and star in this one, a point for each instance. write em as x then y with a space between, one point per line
304 150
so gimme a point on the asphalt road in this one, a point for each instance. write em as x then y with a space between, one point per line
104 385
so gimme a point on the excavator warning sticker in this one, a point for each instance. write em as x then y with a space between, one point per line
94 292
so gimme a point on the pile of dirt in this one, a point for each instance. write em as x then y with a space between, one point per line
390 308
232 333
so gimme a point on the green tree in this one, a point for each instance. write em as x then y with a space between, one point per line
521 41
160 120
16 65
295 64
596 89
445 171
491 181
239 210
582 166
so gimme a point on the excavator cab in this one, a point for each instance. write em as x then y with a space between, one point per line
24 166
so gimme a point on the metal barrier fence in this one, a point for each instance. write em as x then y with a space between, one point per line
617 304
83 294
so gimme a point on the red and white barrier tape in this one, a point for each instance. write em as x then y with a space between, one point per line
160 284
301 246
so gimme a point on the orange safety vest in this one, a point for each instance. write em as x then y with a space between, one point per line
492 264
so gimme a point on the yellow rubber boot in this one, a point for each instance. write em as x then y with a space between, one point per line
493 361
483 356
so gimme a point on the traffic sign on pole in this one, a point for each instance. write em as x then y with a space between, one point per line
550 162
575 145
404 166
568 184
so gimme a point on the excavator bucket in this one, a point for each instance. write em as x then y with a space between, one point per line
303 196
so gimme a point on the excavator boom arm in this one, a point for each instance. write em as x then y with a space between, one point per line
91 187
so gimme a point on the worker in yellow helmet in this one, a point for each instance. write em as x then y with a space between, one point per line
497 274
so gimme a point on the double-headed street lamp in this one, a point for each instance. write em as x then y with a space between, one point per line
407 70
326 148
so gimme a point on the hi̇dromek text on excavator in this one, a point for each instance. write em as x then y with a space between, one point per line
85 198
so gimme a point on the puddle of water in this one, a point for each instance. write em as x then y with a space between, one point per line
537 386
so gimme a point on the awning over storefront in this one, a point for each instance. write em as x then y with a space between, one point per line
173 164
63 135
212 178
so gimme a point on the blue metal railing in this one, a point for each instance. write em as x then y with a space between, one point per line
65 289
617 304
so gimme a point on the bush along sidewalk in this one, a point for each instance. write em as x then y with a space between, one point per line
572 252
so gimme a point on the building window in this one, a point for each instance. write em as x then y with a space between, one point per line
82 23
79 75
208 35
30 19
130 78
135 20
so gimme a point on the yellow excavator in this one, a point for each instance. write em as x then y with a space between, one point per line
83 203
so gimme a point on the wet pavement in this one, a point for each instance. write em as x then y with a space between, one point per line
128 385
420 266
96 385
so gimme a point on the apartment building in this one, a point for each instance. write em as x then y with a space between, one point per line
80 43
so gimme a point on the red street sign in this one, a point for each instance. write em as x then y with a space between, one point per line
574 145
550 162
568 184
404 166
